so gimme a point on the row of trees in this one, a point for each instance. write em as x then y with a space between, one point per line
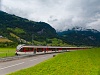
8 44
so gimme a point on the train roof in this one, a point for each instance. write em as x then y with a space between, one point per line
32 46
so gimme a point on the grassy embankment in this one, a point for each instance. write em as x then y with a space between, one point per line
85 62
6 52
4 40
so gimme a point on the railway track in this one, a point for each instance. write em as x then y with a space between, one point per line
24 56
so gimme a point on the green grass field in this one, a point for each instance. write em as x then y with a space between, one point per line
6 52
85 62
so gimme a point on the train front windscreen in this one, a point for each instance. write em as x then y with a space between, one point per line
19 46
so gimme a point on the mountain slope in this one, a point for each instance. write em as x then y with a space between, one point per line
89 37
21 30
17 29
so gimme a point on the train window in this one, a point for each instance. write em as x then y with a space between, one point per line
39 50
53 49
30 49
26 49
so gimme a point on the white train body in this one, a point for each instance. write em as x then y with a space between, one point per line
29 49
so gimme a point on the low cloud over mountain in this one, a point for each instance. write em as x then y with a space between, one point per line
60 14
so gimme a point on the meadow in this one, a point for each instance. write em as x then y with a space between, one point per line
5 40
7 52
81 62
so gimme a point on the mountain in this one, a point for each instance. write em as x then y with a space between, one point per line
87 37
15 30
19 29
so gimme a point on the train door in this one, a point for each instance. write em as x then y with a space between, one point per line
35 49
45 50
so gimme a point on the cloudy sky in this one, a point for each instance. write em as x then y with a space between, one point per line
60 14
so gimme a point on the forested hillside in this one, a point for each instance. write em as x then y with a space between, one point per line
20 30
15 30
88 37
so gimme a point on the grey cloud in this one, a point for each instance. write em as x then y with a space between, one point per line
0 4
60 14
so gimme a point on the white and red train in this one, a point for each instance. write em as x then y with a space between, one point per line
29 49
